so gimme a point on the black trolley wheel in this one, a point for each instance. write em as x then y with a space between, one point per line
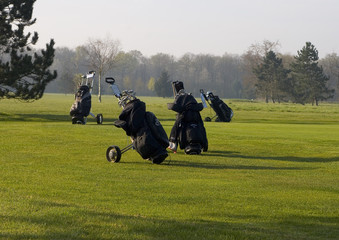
99 118
113 154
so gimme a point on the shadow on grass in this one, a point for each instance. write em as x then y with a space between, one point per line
27 117
294 121
189 164
236 167
228 154
48 118
172 160
65 221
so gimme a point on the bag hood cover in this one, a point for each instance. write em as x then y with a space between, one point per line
131 119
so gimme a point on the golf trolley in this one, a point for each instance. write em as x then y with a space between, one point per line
188 130
223 112
82 105
148 137
113 153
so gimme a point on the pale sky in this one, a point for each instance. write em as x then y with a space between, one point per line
177 27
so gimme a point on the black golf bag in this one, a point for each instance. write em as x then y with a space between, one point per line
223 112
81 106
188 129
148 136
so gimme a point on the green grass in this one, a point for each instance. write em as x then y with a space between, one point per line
272 173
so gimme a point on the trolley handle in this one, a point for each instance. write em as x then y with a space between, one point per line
90 74
115 88
110 80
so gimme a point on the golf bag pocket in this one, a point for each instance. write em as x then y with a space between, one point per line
145 144
157 129
193 133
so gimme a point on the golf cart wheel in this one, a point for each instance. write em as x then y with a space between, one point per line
113 154
99 118
208 119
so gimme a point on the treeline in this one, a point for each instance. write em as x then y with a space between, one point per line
229 76
303 82
222 74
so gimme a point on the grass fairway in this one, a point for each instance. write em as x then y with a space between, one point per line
272 173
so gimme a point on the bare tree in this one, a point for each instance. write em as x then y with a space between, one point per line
330 65
254 56
102 55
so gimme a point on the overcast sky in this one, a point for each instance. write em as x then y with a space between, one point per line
177 27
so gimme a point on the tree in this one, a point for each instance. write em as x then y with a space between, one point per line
102 57
125 66
253 57
24 73
151 84
163 87
127 83
161 62
228 76
272 78
330 65
309 81
64 63
76 80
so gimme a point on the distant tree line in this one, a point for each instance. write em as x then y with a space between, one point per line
222 74
262 72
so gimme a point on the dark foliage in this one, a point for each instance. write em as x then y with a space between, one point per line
309 81
273 81
24 73
163 86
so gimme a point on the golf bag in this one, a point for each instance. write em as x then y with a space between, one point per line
81 107
188 129
223 112
148 136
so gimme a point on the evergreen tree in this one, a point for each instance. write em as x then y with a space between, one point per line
254 56
163 87
24 73
272 78
309 81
